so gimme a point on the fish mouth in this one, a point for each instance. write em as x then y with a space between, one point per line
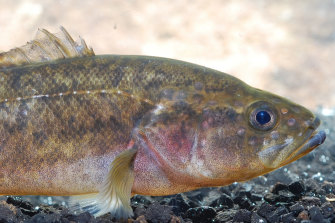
283 154
316 139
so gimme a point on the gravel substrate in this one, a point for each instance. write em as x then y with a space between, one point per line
300 192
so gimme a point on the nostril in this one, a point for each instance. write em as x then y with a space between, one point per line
314 124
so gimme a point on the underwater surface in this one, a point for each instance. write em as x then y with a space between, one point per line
286 48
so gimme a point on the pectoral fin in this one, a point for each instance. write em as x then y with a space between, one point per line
115 193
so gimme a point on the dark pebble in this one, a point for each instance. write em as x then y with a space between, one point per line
81 218
6 213
311 185
139 211
45 218
265 208
296 208
225 190
271 213
196 196
287 218
278 187
327 210
224 216
200 214
281 210
328 188
180 204
242 216
245 204
26 207
316 215
273 217
244 193
311 201
255 218
223 201
138 199
256 197
157 213
271 198
282 196
297 188
303 215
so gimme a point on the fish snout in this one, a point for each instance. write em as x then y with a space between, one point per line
314 124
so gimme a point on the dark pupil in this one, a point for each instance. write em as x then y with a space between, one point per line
263 117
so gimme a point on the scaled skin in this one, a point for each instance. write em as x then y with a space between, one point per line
63 122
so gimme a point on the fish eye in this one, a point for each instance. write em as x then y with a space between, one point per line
262 116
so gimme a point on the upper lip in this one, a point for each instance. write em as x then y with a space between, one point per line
314 140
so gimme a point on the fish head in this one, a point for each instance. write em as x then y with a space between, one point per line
226 131
249 132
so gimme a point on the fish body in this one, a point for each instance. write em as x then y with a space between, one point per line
114 126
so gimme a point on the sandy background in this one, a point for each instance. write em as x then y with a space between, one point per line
286 47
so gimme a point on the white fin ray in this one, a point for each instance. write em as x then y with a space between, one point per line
115 193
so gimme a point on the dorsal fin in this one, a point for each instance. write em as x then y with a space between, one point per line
45 47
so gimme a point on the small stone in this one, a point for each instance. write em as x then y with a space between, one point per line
303 215
316 215
82 217
311 201
268 212
225 216
281 210
242 216
200 214
138 199
327 209
244 193
282 196
273 217
223 200
179 203
157 213
175 219
265 209
7 212
139 211
255 218
297 188
286 196
256 197
197 195
278 187
271 198
245 204
328 187
45 218
296 209
287 218
140 219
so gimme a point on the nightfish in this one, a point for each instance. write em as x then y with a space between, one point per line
102 128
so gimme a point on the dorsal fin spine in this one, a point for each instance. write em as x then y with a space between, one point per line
45 47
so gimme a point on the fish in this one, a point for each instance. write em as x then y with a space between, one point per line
102 128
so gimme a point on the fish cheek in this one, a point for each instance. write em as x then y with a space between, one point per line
169 131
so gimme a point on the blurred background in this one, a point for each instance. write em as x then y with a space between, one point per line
286 47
